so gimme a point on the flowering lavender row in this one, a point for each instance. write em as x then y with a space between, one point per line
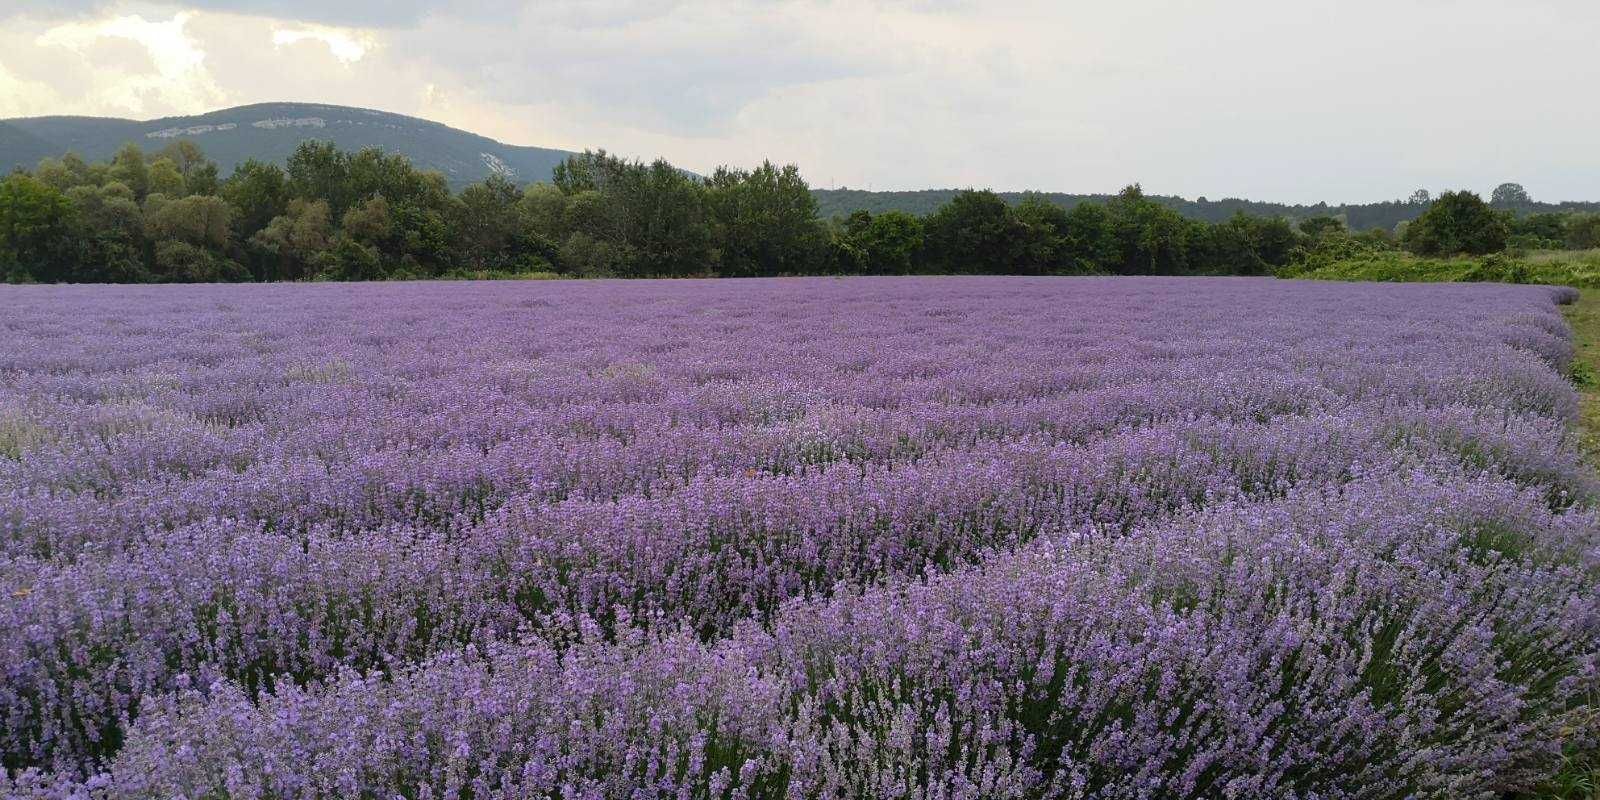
1409 636
212 497
350 433
249 604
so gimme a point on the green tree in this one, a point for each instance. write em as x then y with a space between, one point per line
891 242
1246 245
185 155
1044 249
53 174
489 224
67 172
319 170
592 213
36 221
667 222
297 239
391 176
1274 238
1457 222
1510 196
370 222
592 237
764 221
258 192
1090 244
203 180
199 173
1152 239
632 219
1538 231
200 220
885 244
164 178
1583 231
426 240
178 261
585 172
976 232
1377 239
128 168
543 208
1316 227
109 229
586 256
350 260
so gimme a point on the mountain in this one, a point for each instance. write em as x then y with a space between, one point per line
271 131
18 144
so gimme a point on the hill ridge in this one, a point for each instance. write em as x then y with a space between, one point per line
271 131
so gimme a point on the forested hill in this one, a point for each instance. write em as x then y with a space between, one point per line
271 131
1360 216
19 148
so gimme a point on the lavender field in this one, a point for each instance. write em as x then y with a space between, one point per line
920 538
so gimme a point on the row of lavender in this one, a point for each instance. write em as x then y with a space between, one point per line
935 538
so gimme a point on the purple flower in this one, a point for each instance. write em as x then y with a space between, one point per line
934 537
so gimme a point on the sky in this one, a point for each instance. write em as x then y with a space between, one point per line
1354 101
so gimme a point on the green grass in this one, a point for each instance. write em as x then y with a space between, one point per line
1558 267
1579 779
1584 317
1580 268
1385 266
1590 257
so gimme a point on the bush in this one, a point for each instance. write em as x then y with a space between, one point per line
1330 251
1458 222
1583 231
181 262
350 261
1498 269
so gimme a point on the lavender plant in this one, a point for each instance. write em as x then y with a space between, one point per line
903 537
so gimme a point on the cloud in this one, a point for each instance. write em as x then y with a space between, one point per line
347 46
678 67
115 65
1366 100
361 13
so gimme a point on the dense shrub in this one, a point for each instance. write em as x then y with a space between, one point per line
1457 222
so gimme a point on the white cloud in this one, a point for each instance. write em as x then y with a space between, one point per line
358 13
1364 100
137 67
349 46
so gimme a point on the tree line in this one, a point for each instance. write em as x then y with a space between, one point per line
1387 214
328 214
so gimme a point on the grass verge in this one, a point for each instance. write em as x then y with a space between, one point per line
1557 267
1584 317
1579 778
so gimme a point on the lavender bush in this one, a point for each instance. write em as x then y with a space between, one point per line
933 538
